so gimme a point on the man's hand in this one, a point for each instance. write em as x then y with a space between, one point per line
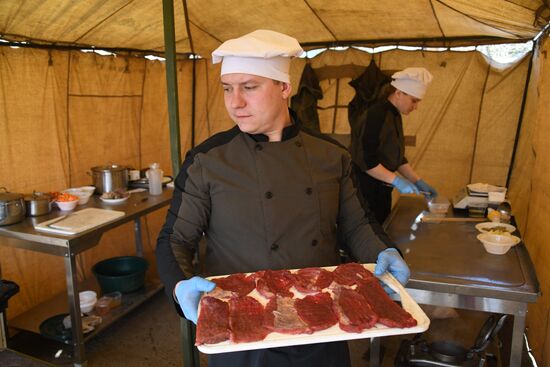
188 293
389 260
404 186
425 188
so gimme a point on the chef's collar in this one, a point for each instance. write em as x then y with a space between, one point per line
392 108
289 131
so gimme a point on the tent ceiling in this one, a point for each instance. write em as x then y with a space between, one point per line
138 24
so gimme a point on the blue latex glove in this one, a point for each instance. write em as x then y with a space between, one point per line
423 186
404 186
390 260
188 293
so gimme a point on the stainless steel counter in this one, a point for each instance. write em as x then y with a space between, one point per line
23 235
450 267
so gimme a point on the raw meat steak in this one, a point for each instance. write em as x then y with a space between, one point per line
349 273
389 313
354 312
246 320
312 280
274 282
239 283
316 310
281 316
213 322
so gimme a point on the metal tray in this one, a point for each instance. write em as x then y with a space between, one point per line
333 333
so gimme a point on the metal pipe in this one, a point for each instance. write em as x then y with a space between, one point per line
172 84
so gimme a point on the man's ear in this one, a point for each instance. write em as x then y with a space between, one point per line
286 88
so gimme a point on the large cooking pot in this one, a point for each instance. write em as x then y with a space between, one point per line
111 177
38 203
12 207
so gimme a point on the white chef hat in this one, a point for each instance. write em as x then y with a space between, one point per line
413 81
262 52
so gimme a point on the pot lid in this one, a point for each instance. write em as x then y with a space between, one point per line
109 168
38 196
9 196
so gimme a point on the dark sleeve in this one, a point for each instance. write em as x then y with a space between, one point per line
362 237
371 135
185 224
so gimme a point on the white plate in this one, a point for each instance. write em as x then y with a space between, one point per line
485 226
114 201
333 333
485 188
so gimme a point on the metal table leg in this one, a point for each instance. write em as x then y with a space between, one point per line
74 308
516 349
190 352
137 232
374 355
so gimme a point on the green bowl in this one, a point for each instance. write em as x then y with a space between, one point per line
124 273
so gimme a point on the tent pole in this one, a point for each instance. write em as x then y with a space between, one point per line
520 118
172 84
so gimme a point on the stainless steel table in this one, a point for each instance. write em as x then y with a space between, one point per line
23 235
450 267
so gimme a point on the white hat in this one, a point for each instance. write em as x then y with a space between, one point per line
262 52
413 81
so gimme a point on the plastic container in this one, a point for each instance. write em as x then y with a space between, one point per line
115 298
103 306
477 210
154 175
439 205
88 300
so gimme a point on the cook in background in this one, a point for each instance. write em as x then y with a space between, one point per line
382 148
266 195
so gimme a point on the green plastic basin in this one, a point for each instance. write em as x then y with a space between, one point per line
124 273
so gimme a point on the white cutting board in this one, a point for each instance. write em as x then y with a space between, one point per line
333 333
79 221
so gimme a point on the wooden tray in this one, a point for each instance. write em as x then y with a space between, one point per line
333 333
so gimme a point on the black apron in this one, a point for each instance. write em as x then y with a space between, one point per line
334 354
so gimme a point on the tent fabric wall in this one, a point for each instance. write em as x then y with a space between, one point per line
465 125
70 111
138 24
530 196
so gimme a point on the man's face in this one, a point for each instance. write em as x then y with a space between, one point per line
257 104
405 103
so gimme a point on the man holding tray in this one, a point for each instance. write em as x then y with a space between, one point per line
266 194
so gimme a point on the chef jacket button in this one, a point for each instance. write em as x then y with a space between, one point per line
274 247
258 147
309 190
269 195
314 243
298 144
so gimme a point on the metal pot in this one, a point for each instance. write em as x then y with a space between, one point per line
38 203
111 177
12 207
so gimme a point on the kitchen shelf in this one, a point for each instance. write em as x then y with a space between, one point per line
31 319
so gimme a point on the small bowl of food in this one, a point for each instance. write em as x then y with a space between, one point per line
83 195
498 244
66 201
114 197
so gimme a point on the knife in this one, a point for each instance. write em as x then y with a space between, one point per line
63 217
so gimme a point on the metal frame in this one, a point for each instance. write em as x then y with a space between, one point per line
23 235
